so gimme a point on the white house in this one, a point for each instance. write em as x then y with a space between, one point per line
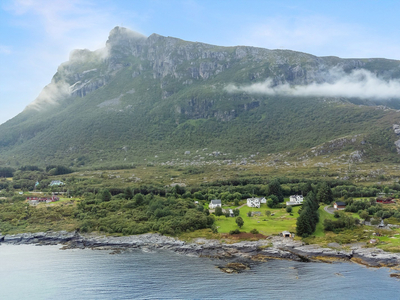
214 203
295 200
253 202
56 182
263 200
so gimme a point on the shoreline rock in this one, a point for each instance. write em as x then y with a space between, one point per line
244 252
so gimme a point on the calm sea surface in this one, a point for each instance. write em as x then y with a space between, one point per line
45 272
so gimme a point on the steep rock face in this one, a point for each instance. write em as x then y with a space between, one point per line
174 60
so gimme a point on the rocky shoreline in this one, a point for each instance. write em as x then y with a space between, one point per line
239 254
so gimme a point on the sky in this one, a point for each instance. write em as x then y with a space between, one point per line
36 36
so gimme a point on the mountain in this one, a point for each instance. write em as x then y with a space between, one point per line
152 99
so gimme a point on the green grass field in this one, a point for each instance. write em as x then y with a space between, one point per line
319 230
280 221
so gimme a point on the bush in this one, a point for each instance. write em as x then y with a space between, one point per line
270 203
375 222
236 231
254 231
218 211
249 213
289 209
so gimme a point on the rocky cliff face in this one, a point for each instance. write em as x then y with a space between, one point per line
173 61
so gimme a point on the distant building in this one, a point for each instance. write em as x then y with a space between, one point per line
295 200
338 205
214 203
385 200
253 202
263 200
56 183
37 200
231 213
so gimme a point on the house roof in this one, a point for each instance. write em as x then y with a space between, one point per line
253 199
217 201
339 203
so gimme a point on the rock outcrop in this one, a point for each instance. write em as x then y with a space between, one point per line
238 253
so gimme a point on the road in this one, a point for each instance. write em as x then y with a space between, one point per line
329 210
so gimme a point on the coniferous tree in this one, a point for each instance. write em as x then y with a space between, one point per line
309 217
306 188
324 194
274 188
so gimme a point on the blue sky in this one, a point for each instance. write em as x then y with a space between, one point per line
37 35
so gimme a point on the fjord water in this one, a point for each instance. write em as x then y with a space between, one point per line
46 272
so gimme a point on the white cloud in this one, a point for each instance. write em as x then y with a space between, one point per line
358 84
50 95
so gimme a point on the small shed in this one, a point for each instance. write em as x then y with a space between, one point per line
338 205
286 234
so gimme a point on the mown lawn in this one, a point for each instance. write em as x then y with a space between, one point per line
280 221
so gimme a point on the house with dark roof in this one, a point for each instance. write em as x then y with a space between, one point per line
214 203
338 205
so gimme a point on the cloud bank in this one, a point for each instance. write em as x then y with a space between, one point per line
358 84
51 94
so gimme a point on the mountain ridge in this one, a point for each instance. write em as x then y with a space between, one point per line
141 97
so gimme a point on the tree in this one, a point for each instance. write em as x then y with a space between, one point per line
239 221
198 196
218 211
249 213
267 213
364 215
105 195
274 188
237 195
270 203
306 188
289 209
309 217
236 202
274 199
324 194
236 212
139 199
128 194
